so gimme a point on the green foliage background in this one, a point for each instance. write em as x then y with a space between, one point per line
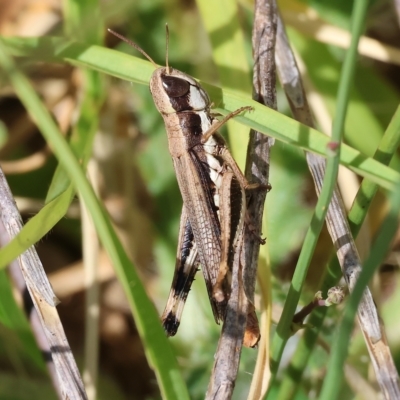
79 41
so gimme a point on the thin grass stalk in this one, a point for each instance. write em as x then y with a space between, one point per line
227 356
257 170
43 298
294 372
387 147
329 181
91 248
384 153
34 320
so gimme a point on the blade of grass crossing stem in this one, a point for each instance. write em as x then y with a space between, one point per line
39 225
158 349
387 148
261 119
283 329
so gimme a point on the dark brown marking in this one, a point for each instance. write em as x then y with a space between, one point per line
190 123
171 324
175 87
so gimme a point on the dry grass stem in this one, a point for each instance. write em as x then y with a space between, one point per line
44 300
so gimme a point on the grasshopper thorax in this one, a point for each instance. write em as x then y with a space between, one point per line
174 91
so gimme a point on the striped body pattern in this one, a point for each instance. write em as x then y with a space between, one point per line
200 169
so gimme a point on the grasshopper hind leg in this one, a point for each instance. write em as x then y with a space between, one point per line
187 264
232 212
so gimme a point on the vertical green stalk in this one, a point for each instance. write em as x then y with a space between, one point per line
333 153
387 148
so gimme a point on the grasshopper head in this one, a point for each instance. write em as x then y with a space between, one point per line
173 91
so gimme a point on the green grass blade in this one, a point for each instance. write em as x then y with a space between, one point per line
283 128
37 227
262 118
158 349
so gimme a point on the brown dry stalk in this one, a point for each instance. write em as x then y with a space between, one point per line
227 357
44 300
257 171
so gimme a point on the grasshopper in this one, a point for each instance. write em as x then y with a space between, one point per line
212 188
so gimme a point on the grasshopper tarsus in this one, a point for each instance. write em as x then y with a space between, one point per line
254 186
258 186
220 295
253 230
240 110
257 237
252 334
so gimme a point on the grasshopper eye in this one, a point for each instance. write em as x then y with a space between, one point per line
175 87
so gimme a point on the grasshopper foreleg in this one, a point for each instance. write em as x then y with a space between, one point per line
218 124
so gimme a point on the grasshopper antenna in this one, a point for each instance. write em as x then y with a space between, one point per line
166 47
133 44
